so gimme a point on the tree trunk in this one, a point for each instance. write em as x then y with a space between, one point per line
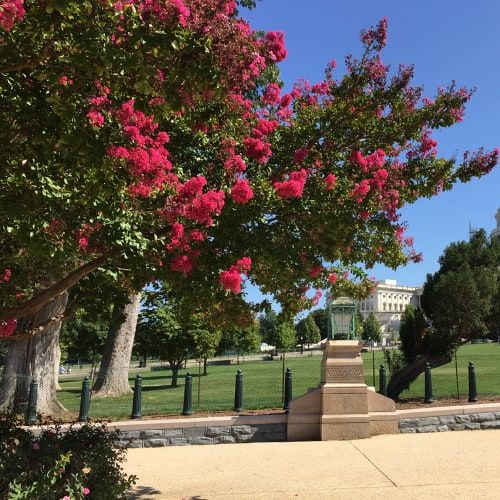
402 378
175 374
35 357
205 363
112 379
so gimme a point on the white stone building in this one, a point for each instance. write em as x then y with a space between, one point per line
388 302
496 232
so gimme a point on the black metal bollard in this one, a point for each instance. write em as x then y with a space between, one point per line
84 401
238 392
288 389
30 418
382 381
472 383
187 407
429 398
137 401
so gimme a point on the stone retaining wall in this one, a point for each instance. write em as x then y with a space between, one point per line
201 431
473 421
153 438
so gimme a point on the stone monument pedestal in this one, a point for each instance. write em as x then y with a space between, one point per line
343 406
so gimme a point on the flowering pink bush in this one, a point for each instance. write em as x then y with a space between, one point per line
138 146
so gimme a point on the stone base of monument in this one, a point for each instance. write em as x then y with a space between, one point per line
342 406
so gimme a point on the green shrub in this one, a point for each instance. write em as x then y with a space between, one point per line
78 463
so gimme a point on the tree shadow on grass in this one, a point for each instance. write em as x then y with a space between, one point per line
150 388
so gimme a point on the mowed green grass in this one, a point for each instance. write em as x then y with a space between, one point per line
263 384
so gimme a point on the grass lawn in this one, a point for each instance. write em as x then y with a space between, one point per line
262 384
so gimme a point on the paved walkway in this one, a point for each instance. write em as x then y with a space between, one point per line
451 465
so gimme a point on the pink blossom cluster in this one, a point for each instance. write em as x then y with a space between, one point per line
370 162
275 44
7 327
376 69
293 187
330 180
257 149
82 235
65 81
7 273
360 190
242 192
147 158
315 270
11 11
375 36
231 279
332 278
271 95
98 103
300 155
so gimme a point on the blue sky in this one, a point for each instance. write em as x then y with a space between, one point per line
446 40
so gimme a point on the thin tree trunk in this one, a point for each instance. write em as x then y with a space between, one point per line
112 379
175 374
205 363
402 378
35 358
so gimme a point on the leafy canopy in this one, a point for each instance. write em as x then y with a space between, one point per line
151 139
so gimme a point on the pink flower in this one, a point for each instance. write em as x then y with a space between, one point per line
300 155
182 263
6 275
231 280
95 118
65 81
330 180
35 446
315 270
85 491
10 12
257 149
235 163
360 190
271 95
332 278
66 497
244 264
241 192
293 187
275 44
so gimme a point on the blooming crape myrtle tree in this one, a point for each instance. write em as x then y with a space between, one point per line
151 139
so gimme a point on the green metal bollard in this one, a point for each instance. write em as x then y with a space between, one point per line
382 381
472 384
137 401
238 392
84 400
32 400
288 389
429 398
187 407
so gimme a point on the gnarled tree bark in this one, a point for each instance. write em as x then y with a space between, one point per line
402 378
112 379
35 357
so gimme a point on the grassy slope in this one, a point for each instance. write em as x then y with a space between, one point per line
262 384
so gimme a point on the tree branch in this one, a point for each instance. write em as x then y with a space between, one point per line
31 63
34 304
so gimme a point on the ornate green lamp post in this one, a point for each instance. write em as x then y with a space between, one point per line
341 314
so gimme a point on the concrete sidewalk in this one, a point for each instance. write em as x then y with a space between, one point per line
458 465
